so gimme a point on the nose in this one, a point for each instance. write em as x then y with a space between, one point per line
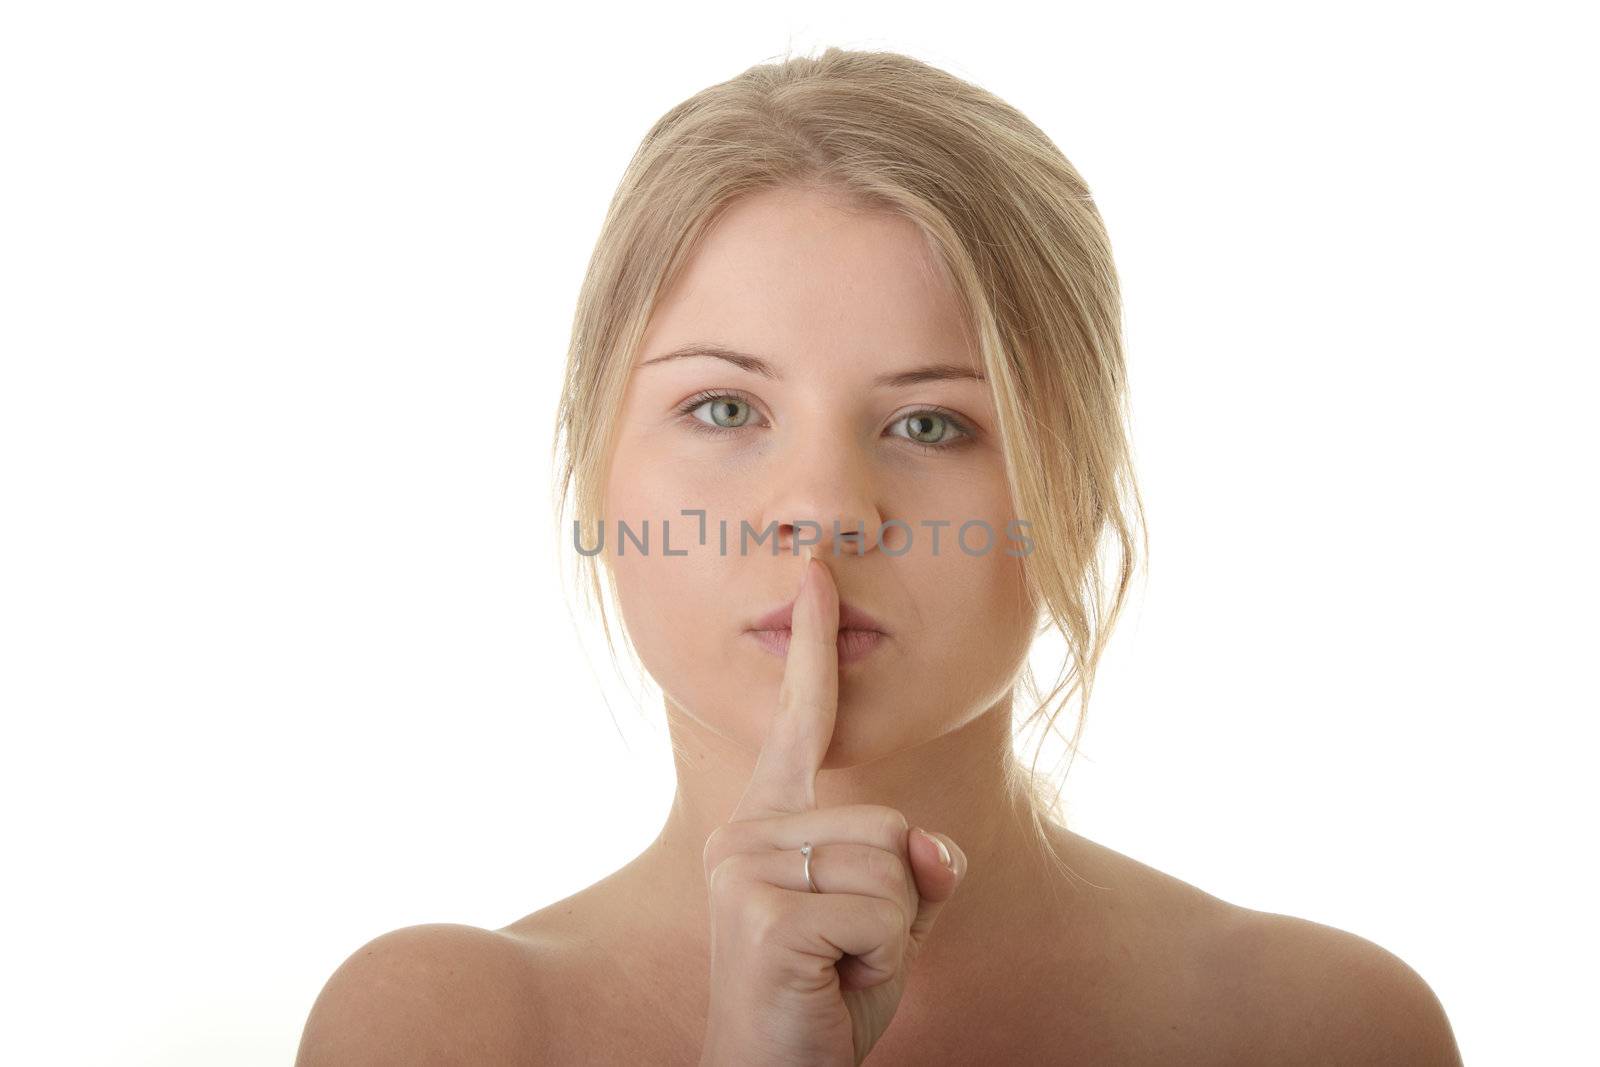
823 495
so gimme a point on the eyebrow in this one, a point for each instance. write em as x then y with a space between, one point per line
932 372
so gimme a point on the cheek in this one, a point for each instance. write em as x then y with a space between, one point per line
663 611
657 478
974 623
974 618
675 607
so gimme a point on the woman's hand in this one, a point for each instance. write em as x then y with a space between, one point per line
802 977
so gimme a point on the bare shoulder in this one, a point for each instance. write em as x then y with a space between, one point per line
1241 986
438 993
1305 992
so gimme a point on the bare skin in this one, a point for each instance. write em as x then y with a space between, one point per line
832 300
1026 964
1102 975
1121 964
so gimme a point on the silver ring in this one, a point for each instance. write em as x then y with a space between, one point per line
805 850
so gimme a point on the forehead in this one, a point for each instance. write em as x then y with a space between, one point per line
804 278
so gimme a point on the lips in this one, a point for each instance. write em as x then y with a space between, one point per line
852 645
850 618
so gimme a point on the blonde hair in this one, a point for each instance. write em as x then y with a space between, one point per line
1018 236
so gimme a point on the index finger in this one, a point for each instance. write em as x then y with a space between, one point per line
784 780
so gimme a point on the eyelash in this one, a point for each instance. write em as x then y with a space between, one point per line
686 410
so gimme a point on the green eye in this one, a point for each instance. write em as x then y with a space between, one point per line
930 429
926 427
727 412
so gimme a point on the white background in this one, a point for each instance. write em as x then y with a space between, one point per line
284 294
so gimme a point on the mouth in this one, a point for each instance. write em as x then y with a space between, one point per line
850 618
853 644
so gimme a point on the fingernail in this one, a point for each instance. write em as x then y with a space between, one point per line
944 853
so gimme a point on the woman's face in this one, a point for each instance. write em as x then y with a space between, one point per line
831 301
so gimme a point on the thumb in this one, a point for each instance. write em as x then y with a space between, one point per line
936 883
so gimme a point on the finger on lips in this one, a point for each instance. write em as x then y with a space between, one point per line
784 780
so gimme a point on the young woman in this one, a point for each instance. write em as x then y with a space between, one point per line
844 422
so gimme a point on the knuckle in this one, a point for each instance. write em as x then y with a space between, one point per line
716 884
892 918
885 871
892 828
762 918
715 849
724 880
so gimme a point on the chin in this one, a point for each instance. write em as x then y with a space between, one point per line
859 736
